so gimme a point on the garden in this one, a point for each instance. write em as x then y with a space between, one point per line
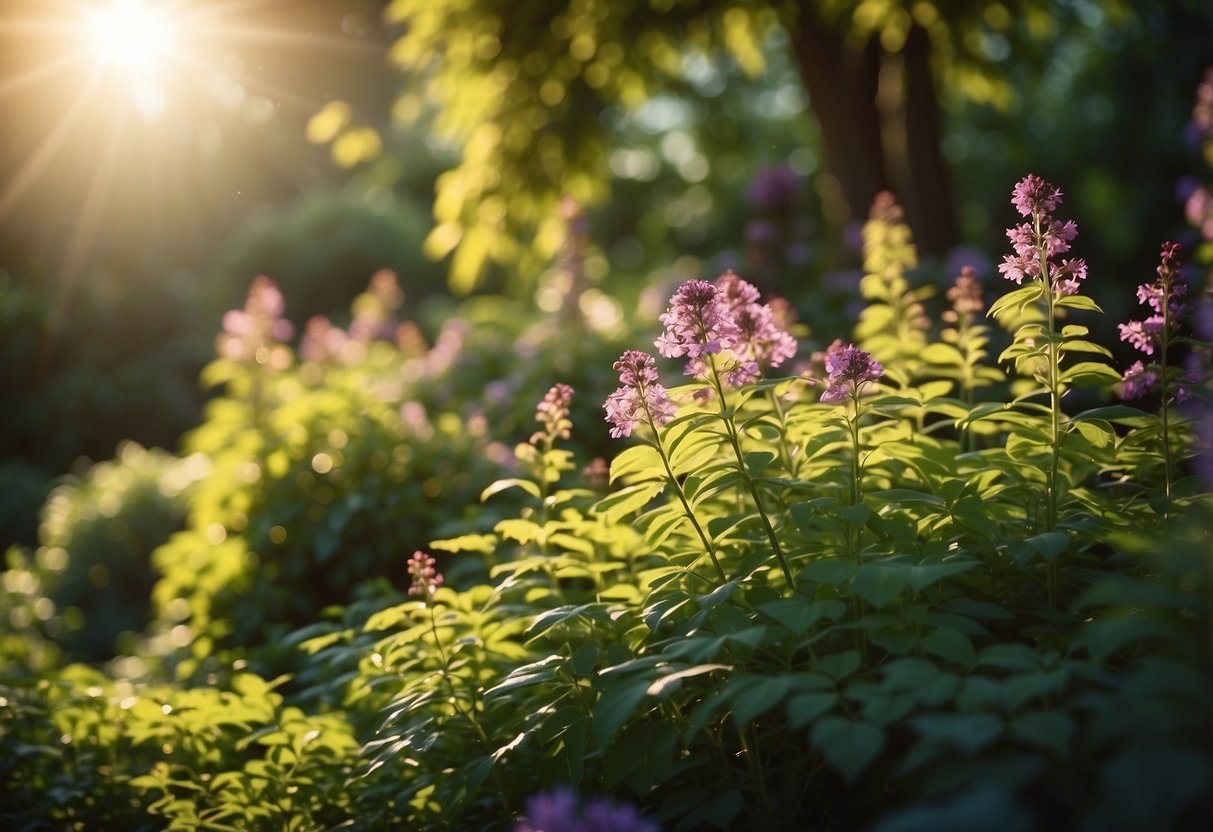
607 417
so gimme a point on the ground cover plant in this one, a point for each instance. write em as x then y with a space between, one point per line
899 583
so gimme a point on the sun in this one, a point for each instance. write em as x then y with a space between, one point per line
131 34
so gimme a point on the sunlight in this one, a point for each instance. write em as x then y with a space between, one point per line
131 34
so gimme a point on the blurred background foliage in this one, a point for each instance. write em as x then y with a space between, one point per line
440 139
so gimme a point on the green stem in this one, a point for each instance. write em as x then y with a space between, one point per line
791 460
682 497
1053 359
731 429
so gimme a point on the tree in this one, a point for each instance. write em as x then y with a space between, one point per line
519 86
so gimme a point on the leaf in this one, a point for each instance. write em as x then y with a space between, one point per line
1050 730
757 695
582 662
987 808
1049 544
757 461
923 575
614 707
627 500
1081 302
671 681
848 746
797 614
907 496
879 583
1017 298
805 707
830 571
513 482
968 732
856 515
641 461
951 645
838 666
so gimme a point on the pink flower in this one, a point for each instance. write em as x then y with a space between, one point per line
1138 381
424 574
760 341
640 399
848 368
258 325
553 413
1037 199
696 324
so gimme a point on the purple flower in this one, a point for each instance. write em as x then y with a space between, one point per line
1199 212
1143 335
249 334
1037 199
1032 196
775 190
696 324
374 310
848 368
424 574
640 399
322 341
1138 381
965 294
553 413
761 340
557 811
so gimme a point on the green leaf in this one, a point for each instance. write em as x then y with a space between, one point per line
797 614
1081 302
627 500
671 681
923 575
614 707
1051 730
968 732
879 583
848 746
987 808
950 645
829 571
503 485
907 496
582 662
757 461
805 707
1118 414
757 695
1049 544
838 666
856 515
640 461
1016 299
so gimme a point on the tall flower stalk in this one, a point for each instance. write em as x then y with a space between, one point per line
1037 244
727 337
1165 296
642 400
850 369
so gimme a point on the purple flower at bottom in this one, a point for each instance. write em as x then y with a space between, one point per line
1138 381
640 399
557 811
848 368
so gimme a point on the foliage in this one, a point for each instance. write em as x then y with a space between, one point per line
903 589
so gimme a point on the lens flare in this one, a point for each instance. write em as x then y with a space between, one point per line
131 34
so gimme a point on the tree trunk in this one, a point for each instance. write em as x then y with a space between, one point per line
843 83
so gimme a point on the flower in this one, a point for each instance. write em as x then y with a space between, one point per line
251 333
641 398
1037 199
696 324
965 294
557 811
1143 335
848 368
322 340
553 413
775 190
424 574
761 340
1138 381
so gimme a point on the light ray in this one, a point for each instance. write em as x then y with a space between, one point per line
48 147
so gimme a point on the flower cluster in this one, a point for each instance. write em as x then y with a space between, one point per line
641 398
557 811
708 319
425 576
1166 297
552 413
1037 199
848 369
254 332
965 295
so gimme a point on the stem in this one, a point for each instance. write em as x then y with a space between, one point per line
731 429
1054 410
1164 341
790 460
682 497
